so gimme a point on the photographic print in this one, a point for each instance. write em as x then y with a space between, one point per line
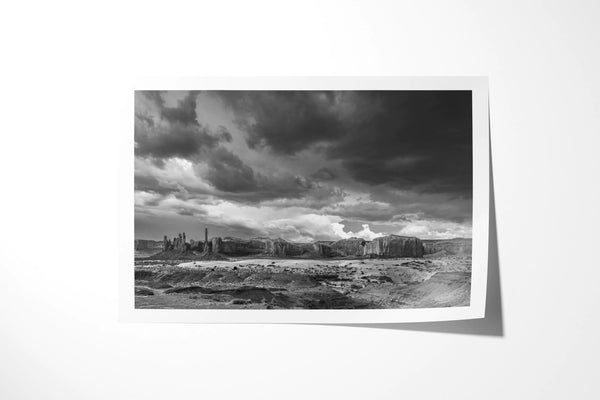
303 199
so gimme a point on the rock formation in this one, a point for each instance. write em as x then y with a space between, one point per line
206 247
215 245
166 244
235 247
143 244
387 246
323 249
394 246
348 247
455 247
277 247
178 243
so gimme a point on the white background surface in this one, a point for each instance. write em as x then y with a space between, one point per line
62 67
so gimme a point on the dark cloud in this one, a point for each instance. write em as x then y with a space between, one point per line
323 174
443 206
228 173
404 210
240 183
234 180
224 135
174 131
147 183
365 211
412 140
285 121
409 140
177 140
317 198
192 212
185 111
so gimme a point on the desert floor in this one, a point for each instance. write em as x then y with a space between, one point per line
271 283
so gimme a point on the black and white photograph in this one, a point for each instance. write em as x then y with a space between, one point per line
303 199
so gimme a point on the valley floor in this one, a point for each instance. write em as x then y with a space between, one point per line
303 284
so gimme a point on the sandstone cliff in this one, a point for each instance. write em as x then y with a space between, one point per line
455 247
348 247
394 246
239 247
387 246
283 248
143 244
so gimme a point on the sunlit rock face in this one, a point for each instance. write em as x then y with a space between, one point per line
349 247
276 247
394 246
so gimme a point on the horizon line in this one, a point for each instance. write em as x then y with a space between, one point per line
313 241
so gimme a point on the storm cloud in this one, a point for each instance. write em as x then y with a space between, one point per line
164 132
285 122
409 139
395 159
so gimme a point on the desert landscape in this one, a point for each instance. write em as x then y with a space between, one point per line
314 199
261 273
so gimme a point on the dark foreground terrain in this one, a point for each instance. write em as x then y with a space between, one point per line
264 283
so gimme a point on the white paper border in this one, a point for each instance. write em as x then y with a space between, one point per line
479 88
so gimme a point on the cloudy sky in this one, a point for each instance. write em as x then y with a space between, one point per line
303 165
